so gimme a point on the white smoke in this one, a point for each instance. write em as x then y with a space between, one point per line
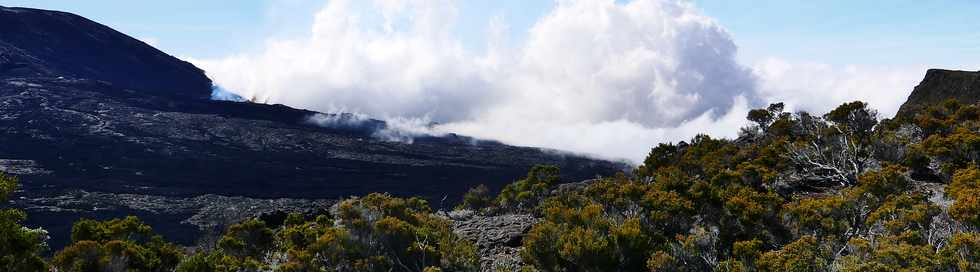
220 94
339 120
593 76
395 129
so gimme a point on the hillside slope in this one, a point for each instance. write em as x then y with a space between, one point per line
51 43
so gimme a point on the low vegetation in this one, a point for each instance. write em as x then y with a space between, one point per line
794 192
20 247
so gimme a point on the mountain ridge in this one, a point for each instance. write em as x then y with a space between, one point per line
939 85
45 43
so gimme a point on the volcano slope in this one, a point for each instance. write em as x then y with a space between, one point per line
98 124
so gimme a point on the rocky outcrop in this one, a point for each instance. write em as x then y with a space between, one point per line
573 186
940 85
498 238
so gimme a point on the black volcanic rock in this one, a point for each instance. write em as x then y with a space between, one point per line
84 108
940 85
91 135
50 43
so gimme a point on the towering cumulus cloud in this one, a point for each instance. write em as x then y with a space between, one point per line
603 77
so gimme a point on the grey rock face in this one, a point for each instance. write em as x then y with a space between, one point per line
939 85
498 238
573 186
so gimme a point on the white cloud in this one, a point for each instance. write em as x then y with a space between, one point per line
397 129
347 64
817 87
617 139
593 76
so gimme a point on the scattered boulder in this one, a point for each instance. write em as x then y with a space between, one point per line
498 238
573 186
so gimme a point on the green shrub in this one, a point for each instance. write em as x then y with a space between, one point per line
118 244
20 247
526 193
477 199
803 255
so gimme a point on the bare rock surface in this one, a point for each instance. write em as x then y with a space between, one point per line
939 85
44 43
22 167
498 238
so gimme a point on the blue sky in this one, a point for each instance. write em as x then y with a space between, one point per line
942 33
215 28
876 32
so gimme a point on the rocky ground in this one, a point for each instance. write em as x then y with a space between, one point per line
82 134
498 237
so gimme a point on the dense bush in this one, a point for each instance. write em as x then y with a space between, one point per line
376 232
118 244
399 234
951 141
20 247
527 193
965 190
477 199
764 203
684 210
